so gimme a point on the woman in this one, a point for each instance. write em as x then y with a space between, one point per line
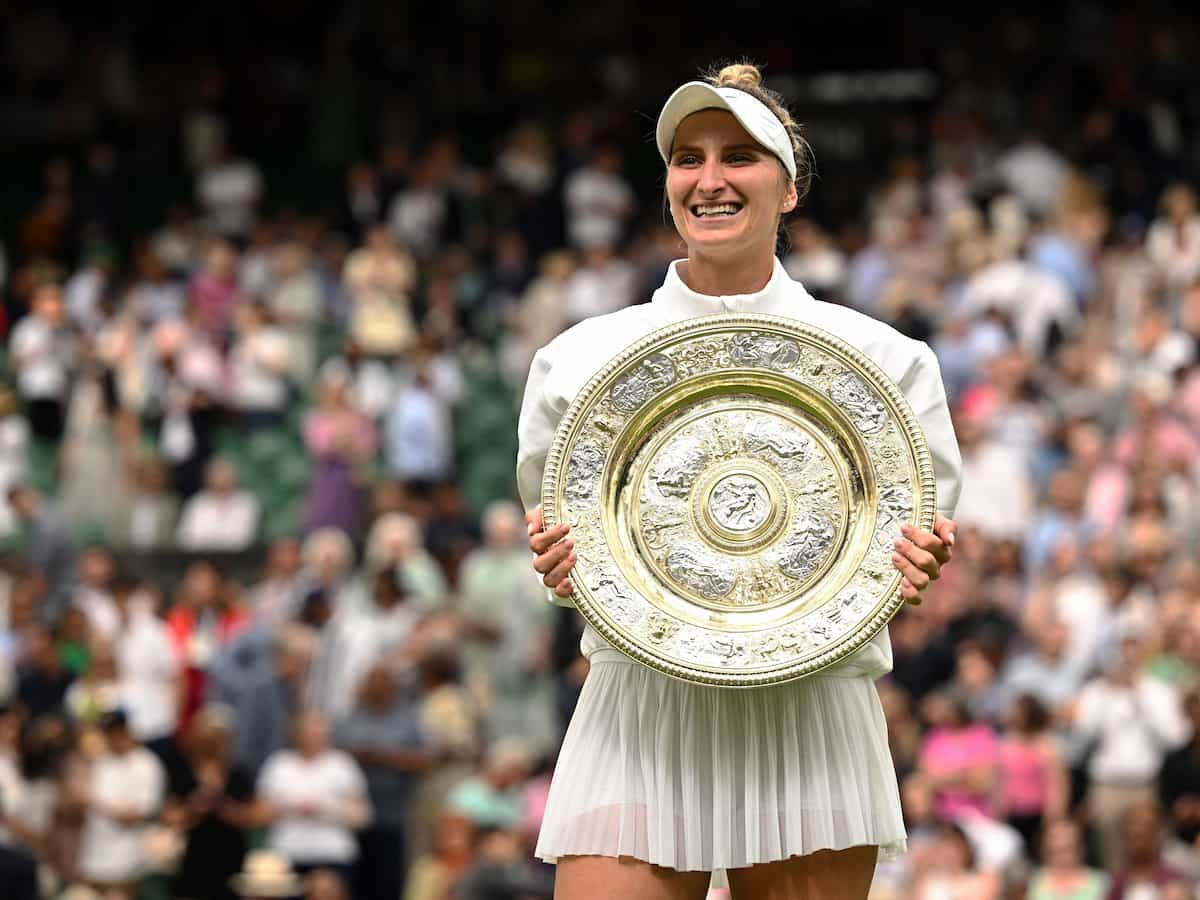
212 802
1034 786
789 787
953 873
340 442
958 757
1063 876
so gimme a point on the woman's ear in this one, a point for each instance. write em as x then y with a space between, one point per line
790 198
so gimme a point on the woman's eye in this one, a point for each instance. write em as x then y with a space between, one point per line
741 157
687 159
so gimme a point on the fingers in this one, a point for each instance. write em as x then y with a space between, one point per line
544 563
565 588
533 519
922 559
560 571
928 542
916 576
946 529
909 593
542 541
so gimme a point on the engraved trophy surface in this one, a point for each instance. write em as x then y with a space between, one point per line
734 483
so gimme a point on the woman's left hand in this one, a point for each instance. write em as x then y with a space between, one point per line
920 555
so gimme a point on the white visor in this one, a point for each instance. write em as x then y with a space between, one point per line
755 117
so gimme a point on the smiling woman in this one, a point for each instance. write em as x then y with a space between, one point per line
659 781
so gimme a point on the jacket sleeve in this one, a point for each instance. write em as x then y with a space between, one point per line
923 388
535 433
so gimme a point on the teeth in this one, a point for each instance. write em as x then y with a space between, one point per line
717 209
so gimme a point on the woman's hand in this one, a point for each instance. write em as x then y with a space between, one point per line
920 555
554 553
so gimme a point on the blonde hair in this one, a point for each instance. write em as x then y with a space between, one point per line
746 77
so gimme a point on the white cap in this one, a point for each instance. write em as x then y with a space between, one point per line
762 124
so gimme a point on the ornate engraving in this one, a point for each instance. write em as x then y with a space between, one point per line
696 570
859 402
676 468
763 350
895 508
739 503
660 628
583 473
636 387
807 546
768 434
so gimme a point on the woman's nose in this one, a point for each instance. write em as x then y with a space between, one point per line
712 177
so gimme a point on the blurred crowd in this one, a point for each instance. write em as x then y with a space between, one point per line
268 626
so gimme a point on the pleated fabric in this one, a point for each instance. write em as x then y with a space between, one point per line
702 778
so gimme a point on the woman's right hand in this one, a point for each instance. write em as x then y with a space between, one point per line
554 553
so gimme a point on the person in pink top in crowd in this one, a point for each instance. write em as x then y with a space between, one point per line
1033 785
958 757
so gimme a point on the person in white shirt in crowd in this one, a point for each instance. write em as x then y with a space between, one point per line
259 367
814 260
357 638
229 191
998 495
1133 721
148 668
599 201
221 517
14 455
148 521
420 439
509 630
94 594
603 283
420 212
125 790
276 598
296 304
1173 240
1033 171
42 352
396 540
316 798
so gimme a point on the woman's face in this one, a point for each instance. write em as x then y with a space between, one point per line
726 192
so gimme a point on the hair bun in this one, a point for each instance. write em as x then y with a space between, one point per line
739 75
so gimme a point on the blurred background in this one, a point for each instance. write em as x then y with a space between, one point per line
273 273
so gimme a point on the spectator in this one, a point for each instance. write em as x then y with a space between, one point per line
44 356
49 546
419 439
1179 780
341 443
1133 721
599 201
355 639
395 540
1173 241
126 788
149 520
148 667
958 757
1033 783
212 802
221 517
384 735
229 190
1063 876
316 799
952 872
259 364
1144 873
492 798
269 702
508 666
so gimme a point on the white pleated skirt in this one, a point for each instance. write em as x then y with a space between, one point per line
700 778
